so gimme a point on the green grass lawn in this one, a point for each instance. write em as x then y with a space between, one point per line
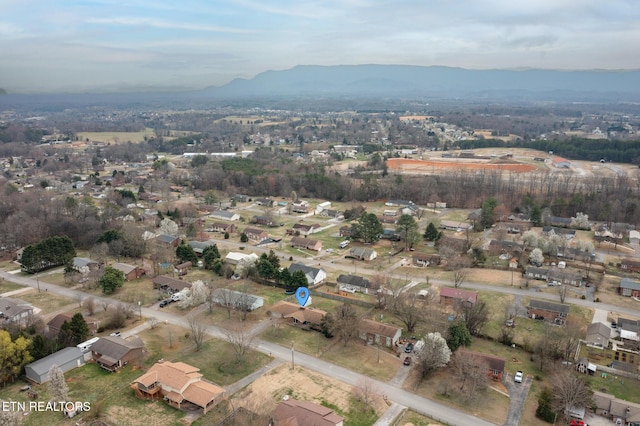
417 419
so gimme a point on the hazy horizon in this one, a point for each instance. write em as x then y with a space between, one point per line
103 45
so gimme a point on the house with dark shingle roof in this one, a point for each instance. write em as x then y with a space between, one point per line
374 332
170 284
495 364
551 312
453 296
314 275
298 413
629 288
112 352
353 283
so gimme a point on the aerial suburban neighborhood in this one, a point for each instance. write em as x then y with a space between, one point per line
319 260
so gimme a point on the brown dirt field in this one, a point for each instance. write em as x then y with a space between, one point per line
424 166
265 393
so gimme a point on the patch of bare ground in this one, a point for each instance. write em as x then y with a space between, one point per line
263 395
152 414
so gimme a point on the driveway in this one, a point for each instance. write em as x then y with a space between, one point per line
600 315
517 395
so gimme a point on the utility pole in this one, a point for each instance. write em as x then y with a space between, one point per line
38 282
293 365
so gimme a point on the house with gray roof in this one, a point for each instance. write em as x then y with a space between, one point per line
237 299
112 352
67 359
225 215
363 253
550 311
15 311
199 246
598 334
629 288
353 283
314 275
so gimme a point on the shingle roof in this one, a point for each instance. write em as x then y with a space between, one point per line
629 283
549 306
305 413
353 280
378 328
115 347
456 293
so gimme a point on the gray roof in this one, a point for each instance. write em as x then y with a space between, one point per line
353 280
166 238
629 283
59 358
125 268
362 252
304 268
629 325
236 298
115 347
81 262
549 306
223 214
599 328
199 246
10 307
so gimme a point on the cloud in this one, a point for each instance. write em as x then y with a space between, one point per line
158 23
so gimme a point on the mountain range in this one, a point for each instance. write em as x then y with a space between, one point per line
403 81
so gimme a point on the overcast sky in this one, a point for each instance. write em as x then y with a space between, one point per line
53 45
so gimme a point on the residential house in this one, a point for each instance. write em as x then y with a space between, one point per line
195 221
225 215
314 275
495 364
630 265
236 299
454 225
235 258
629 288
170 285
267 202
629 329
391 235
345 231
388 220
84 265
424 259
377 333
455 296
263 220
183 268
498 247
168 240
598 334
222 227
55 324
564 232
550 311
562 222
304 229
300 207
565 276
363 253
15 311
180 384
309 318
618 411
131 272
240 198
353 283
292 412
335 214
603 233
112 352
537 273
199 246
67 359
255 234
306 243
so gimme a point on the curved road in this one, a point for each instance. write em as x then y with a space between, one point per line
408 399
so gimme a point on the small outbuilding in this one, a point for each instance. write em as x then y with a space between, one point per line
67 359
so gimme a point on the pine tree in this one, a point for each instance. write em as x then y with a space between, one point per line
431 233
65 335
79 328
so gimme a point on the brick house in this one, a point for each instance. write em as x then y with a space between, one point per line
453 296
630 265
629 288
56 322
306 243
131 272
223 227
255 234
170 284
424 259
495 364
112 352
551 312
345 231
373 332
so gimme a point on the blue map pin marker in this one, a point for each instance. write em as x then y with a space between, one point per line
302 295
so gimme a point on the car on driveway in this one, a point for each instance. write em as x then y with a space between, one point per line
408 348
164 303
518 377
115 334
407 360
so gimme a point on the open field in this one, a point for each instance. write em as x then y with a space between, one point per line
429 166
6 286
46 301
116 137
411 418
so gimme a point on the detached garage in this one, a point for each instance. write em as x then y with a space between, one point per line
67 359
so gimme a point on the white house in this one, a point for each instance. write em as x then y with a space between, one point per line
314 275
225 215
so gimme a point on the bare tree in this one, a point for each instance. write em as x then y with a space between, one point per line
241 341
345 323
471 371
570 391
475 315
458 265
198 330
57 385
409 309
365 391
90 305
170 337
10 418
562 292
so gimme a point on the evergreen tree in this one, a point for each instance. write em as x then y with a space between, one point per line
111 280
544 410
431 233
243 238
368 229
79 328
458 335
65 335
298 279
185 253
209 256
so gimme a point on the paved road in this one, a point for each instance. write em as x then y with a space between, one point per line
417 403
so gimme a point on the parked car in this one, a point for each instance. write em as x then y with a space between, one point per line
614 324
518 377
115 334
408 348
164 303
407 360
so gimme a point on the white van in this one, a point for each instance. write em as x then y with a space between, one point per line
176 297
86 346
344 244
